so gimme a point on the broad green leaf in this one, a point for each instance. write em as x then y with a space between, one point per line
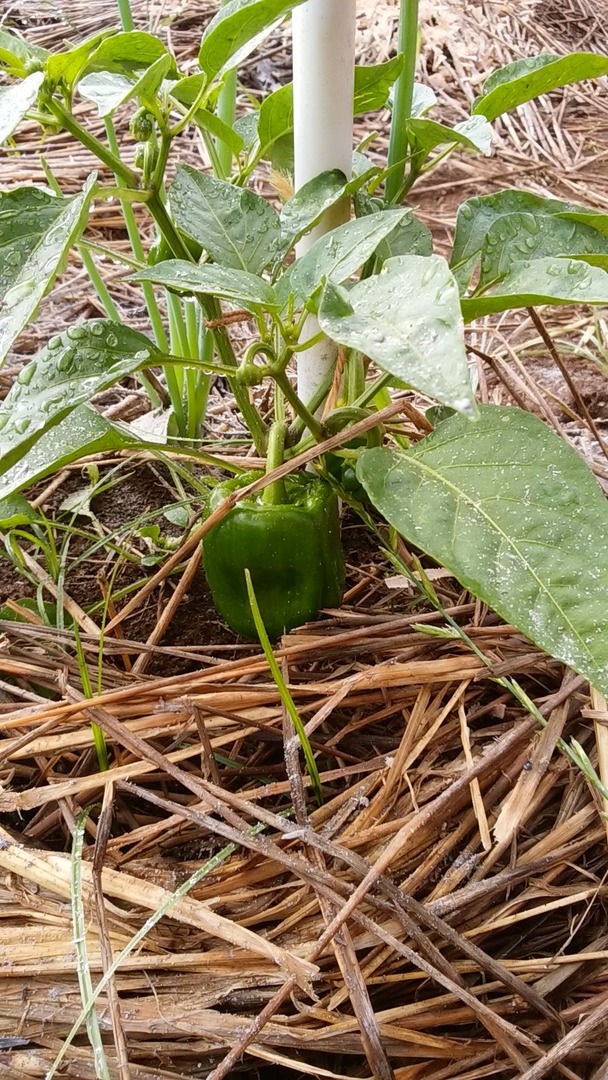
337 255
425 135
71 368
15 100
407 319
477 215
236 227
306 208
409 237
19 57
126 53
36 231
246 290
372 86
515 514
237 29
82 432
186 91
531 236
109 90
423 99
66 67
540 281
524 80
15 510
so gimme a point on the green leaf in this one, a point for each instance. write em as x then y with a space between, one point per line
237 29
17 56
81 433
372 87
425 135
407 319
186 91
306 208
71 368
373 84
15 510
246 290
127 53
515 514
337 255
476 216
423 99
409 237
540 281
235 226
531 236
36 231
66 67
15 100
109 90
524 80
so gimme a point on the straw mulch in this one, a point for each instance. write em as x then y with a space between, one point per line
443 912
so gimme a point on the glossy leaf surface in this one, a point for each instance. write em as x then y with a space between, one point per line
337 255
526 79
515 514
407 319
237 286
72 367
236 227
37 229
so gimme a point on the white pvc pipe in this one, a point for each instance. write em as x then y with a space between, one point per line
323 88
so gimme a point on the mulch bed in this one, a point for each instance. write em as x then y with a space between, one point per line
443 912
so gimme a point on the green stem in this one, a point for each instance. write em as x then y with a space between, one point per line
226 111
275 494
407 43
99 284
301 410
299 425
138 251
212 311
123 173
126 15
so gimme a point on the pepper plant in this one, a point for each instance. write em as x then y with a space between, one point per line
491 493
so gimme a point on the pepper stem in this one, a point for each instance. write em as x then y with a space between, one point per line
275 494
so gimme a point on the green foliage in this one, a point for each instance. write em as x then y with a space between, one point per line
515 514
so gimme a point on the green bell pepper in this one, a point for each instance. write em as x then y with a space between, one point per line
291 546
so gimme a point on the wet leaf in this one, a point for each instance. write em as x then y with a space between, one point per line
530 236
235 226
65 67
306 208
237 30
526 79
407 319
73 366
81 433
109 90
246 290
336 255
37 229
540 281
127 53
425 135
476 216
515 514
14 511
15 100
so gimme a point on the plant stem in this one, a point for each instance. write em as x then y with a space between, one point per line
125 15
313 424
275 494
407 43
123 173
138 251
99 284
226 111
